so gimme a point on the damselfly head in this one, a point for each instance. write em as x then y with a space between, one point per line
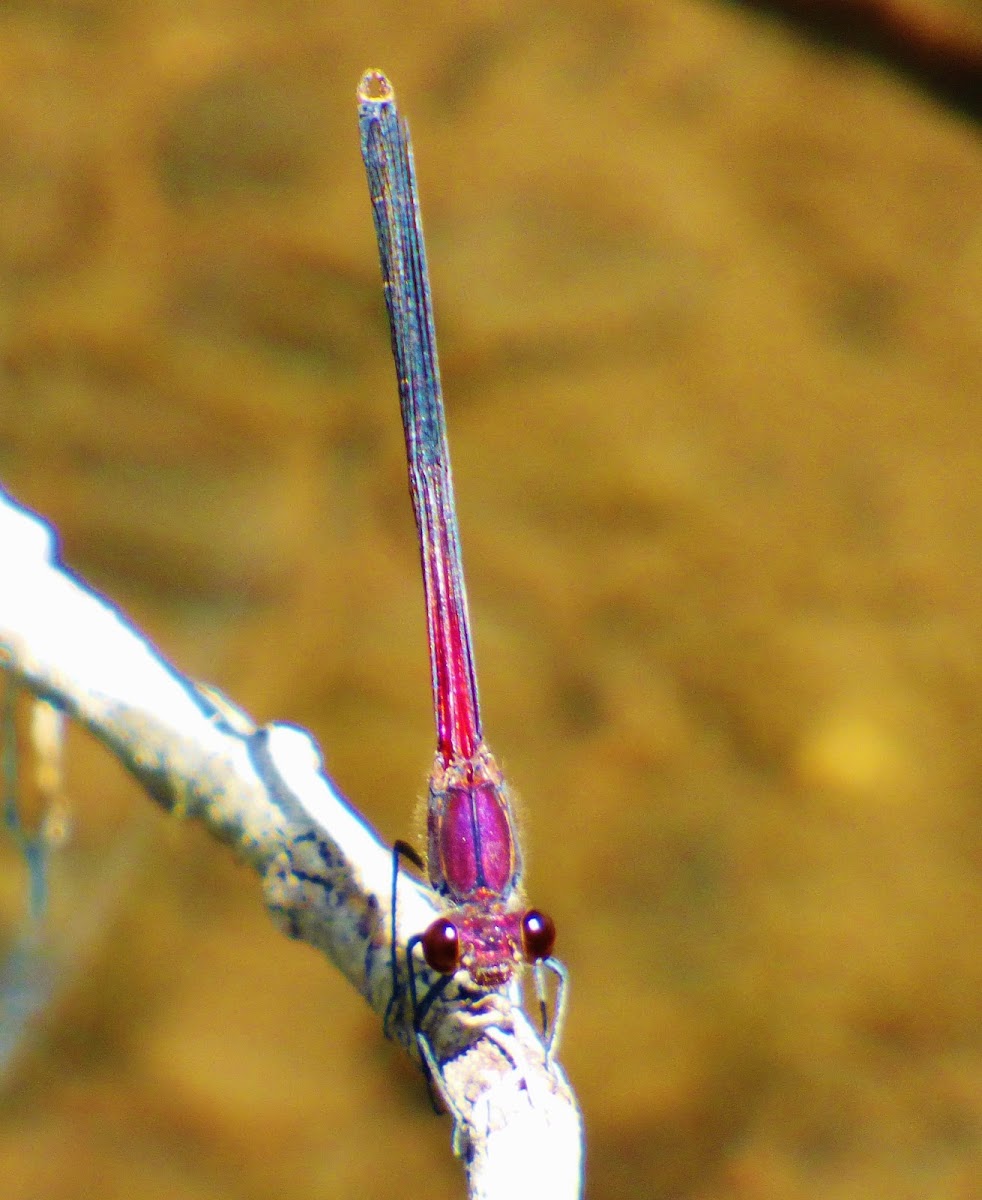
487 942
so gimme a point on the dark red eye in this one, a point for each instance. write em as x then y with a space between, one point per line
441 946
538 935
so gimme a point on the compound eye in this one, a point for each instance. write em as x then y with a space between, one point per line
441 946
538 935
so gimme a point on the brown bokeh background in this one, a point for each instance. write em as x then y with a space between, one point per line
710 308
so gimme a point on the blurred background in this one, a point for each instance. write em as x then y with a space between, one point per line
709 298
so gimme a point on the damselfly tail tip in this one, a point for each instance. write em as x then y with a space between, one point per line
375 87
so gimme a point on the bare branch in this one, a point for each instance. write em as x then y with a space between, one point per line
327 877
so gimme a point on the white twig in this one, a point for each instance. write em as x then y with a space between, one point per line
326 875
